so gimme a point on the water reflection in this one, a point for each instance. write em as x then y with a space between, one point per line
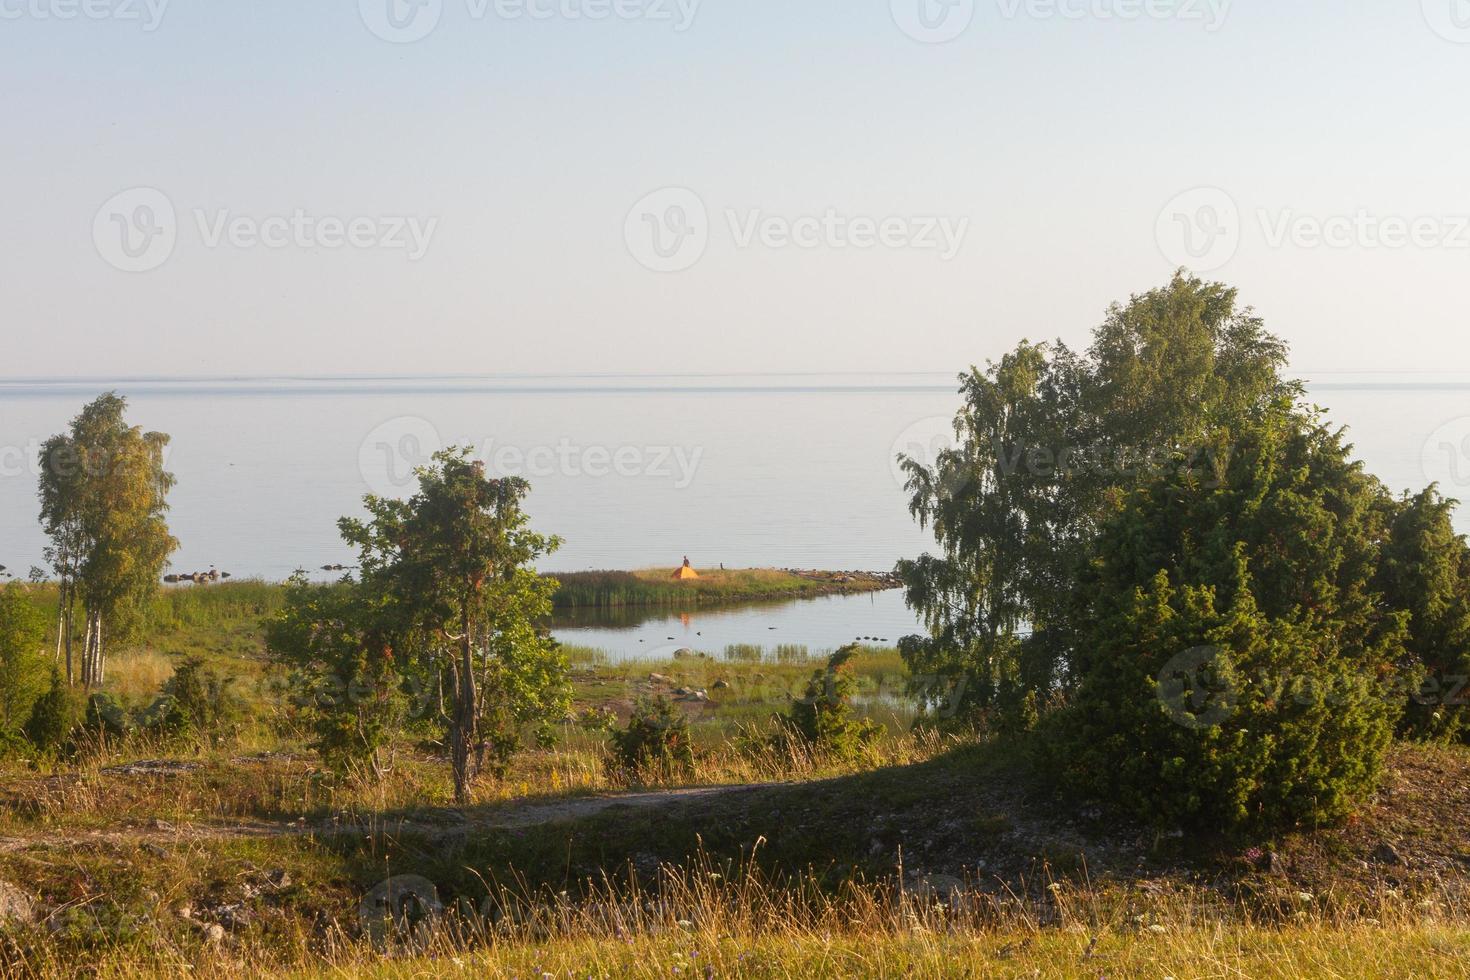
820 625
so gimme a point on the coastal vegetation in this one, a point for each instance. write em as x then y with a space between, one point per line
658 587
1187 703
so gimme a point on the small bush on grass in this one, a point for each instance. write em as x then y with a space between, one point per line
54 717
655 745
822 718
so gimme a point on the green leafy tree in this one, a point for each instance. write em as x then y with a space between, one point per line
450 571
1048 443
104 494
24 673
1239 667
1425 570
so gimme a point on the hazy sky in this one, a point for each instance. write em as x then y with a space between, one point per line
1009 182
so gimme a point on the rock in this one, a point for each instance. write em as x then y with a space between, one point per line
15 905
722 685
659 679
399 906
1386 853
1273 863
214 934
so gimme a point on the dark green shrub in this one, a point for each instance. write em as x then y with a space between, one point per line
23 664
656 743
1238 669
1425 571
196 701
54 717
822 718
107 718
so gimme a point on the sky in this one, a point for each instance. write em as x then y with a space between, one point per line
346 187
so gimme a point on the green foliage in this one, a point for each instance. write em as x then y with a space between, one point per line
448 610
1239 667
1425 570
1047 444
822 718
655 744
103 492
108 718
24 669
55 716
196 701
346 678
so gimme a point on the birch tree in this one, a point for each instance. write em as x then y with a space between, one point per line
104 496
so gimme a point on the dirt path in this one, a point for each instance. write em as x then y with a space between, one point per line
509 816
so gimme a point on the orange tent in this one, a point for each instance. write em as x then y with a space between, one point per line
687 572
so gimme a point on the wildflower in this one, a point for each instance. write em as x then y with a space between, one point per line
1304 896
1157 929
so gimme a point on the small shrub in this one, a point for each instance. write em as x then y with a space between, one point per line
656 743
53 718
107 718
822 718
196 701
23 668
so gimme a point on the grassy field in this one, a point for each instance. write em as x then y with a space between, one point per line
931 855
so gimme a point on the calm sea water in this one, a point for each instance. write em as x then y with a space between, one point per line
771 470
